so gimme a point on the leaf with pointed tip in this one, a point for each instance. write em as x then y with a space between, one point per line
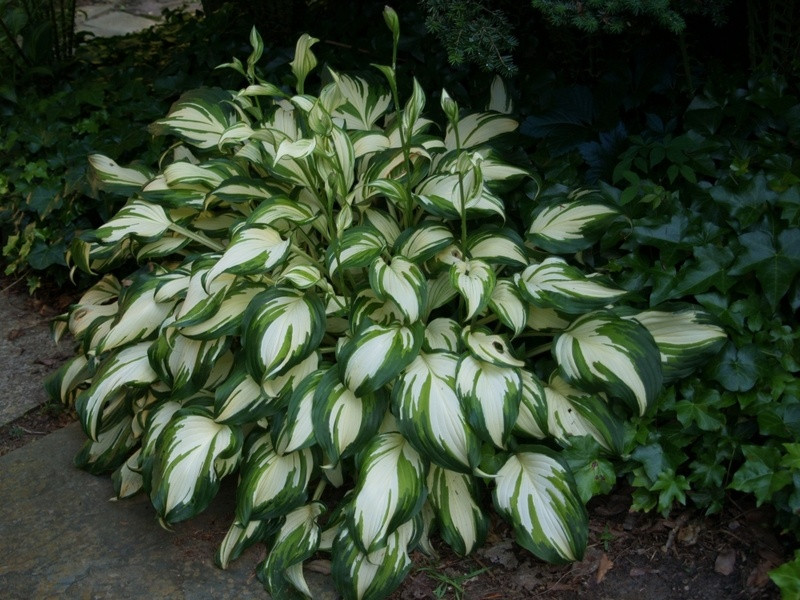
498 245
571 412
297 540
605 353
478 128
443 334
475 281
227 319
127 479
455 498
536 493
568 227
64 384
489 347
255 249
193 453
367 305
384 223
239 189
506 302
423 241
111 448
377 354
240 537
240 399
390 490
490 396
364 104
304 60
344 422
140 219
403 282
555 284
685 339
297 429
357 247
373 576
280 386
272 484
126 367
117 179
429 412
532 418
280 328
182 363
198 117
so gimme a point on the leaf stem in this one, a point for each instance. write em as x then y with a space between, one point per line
197 237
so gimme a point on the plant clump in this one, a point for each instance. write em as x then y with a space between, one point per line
334 293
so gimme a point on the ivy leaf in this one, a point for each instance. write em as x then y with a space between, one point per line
760 475
775 261
671 488
746 203
737 369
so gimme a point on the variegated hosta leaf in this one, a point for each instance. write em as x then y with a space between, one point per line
297 540
111 448
63 385
532 418
443 334
555 284
304 60
357 247
545 319
117 179
373 576
384 223
270 484
506 302
455 497
280 386
423 241
478 128
239 189
300 274
451 195
498 245
489 347
281 327
364 104
344 422
182 363
227 319
127 479
255 249
685 339
429 412
156 420
568 227
571 412
403 282
240 399
367 305
199 117
377 354
475 281
138 317
390 490
499 98
192 455
536 493
127 367
240 537
138 218
605 353
201 302
440 291
206 176
392 189
490 396
297 429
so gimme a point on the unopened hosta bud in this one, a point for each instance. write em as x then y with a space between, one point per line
449 107
392 21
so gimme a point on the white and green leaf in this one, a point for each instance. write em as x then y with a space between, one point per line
475 280
403 282
571 226
463 522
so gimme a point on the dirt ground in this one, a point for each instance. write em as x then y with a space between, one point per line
631 556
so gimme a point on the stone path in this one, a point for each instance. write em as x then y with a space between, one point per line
115 17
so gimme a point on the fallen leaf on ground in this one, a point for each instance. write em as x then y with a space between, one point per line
606 564
726 560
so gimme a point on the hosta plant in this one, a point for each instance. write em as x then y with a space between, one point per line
335 303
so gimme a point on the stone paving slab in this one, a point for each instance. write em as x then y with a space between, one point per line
60 537
27 355
110 18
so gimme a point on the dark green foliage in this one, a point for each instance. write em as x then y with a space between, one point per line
472 32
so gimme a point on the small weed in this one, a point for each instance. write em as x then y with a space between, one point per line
447 582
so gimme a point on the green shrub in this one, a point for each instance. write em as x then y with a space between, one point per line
714 219
336 293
